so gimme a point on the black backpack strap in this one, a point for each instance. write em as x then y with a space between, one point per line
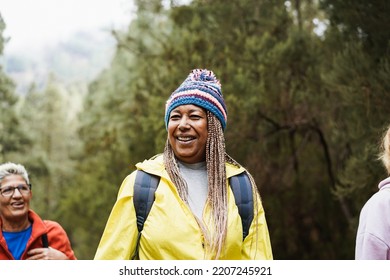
243 195
145 186
45 241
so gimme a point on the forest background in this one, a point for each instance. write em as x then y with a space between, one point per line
306 110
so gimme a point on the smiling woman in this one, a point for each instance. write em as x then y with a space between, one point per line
24 235
195 215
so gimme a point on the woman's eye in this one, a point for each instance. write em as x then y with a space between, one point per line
6 190
175 117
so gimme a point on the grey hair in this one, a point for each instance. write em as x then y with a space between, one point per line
11 168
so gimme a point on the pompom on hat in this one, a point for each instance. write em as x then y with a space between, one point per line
200 88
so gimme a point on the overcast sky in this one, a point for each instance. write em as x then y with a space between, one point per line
36 23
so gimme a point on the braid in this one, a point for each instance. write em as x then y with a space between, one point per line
256 198
174 172
181 185
217 194
385 150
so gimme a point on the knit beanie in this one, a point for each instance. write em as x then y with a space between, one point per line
200 88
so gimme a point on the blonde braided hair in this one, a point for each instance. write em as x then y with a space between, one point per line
385 150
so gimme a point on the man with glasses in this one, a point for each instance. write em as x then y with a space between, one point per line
24 235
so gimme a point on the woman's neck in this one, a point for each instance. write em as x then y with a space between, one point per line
195 166
15 226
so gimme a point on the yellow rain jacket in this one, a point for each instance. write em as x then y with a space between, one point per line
171 231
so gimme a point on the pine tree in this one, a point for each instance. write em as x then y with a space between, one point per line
12 138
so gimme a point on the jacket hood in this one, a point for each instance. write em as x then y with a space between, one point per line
155 166
384 184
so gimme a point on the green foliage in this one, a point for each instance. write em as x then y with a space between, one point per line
305 115
363 21
51 131
12 137
295 133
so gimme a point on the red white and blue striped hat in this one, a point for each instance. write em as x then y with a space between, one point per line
200 88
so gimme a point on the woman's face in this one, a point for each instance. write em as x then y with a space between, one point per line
187 133
16 206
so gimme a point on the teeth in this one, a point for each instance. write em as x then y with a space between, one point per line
184 138
17 203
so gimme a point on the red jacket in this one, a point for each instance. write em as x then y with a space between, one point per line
56 235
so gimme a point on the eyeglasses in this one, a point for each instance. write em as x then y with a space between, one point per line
10 190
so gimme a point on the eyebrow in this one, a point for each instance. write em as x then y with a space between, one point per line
177 110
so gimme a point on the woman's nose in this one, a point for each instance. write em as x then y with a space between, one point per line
17 193
183 123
